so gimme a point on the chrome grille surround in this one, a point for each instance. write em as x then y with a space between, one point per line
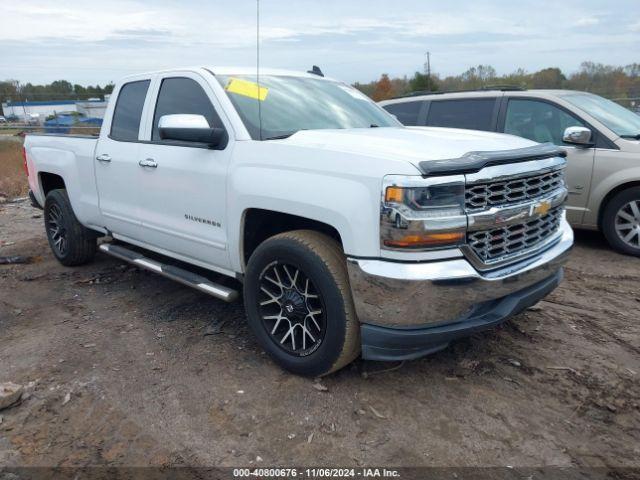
514 211
512 191
501 243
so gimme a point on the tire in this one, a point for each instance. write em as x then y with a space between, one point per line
285 317
621 221
71 243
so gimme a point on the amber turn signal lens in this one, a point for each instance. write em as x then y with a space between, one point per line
426 240
394 195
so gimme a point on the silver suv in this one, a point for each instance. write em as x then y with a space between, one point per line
601 137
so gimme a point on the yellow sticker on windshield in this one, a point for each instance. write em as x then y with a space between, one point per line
247 89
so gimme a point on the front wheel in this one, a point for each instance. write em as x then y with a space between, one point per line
299 303
71 243
621 221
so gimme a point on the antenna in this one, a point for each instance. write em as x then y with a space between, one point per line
258 65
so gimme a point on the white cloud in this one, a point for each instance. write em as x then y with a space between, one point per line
33 19
586 22
356 40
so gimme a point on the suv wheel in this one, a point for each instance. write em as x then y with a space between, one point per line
299 304
621 221
71 243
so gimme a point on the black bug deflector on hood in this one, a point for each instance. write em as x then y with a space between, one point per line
475 161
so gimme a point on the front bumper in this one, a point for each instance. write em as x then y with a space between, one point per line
412 309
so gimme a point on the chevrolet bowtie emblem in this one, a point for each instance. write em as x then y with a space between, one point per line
541 208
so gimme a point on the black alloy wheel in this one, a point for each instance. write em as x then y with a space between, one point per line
292 309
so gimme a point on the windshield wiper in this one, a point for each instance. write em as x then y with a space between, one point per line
632 137
279 137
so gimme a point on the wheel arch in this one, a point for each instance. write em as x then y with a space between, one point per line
612 193
260 224
50 181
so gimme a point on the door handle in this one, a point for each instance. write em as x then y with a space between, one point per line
149 162
104 158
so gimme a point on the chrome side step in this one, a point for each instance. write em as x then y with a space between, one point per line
177 274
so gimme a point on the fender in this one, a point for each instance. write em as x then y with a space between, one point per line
76 168
339 188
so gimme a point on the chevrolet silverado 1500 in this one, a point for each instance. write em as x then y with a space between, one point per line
348 233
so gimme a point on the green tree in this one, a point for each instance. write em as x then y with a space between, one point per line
548 78
421 82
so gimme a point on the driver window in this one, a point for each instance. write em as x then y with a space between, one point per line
538 121
183 95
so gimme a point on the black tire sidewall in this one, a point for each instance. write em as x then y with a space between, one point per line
56 197
290 251
609 219
81 244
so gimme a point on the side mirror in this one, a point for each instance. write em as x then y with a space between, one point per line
191 128
579 136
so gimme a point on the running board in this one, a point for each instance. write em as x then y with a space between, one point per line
177 274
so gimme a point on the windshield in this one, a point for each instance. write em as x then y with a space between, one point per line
621 121
288 104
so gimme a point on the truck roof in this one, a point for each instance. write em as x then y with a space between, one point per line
222 70
230 70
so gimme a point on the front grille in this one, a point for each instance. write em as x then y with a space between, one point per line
505 242
512 191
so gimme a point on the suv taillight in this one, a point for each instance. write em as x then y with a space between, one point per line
24 158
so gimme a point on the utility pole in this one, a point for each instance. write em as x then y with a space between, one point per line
427 69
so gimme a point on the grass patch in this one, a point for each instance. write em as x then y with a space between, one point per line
13 181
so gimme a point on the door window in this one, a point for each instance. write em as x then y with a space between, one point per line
538 121
474 114
406 112
128 111
183 95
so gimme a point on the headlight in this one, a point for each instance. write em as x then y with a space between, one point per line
421 214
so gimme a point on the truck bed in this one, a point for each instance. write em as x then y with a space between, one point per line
69 157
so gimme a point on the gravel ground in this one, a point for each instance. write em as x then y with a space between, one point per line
122 367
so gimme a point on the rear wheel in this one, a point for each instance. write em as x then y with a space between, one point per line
71 243
299 304
621 221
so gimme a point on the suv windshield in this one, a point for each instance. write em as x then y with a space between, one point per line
621 121
288 104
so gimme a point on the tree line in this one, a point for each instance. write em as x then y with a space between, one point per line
619 83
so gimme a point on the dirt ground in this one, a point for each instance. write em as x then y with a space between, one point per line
120 370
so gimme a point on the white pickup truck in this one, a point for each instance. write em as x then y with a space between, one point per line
347 232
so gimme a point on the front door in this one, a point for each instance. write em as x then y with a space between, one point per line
182 186
117 162
542 122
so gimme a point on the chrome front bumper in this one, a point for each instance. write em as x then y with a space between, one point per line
425 295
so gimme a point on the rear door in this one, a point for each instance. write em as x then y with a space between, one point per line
116 161
543 121
182 200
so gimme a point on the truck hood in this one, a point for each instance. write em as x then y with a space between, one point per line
412 144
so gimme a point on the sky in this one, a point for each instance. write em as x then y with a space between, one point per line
352 40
